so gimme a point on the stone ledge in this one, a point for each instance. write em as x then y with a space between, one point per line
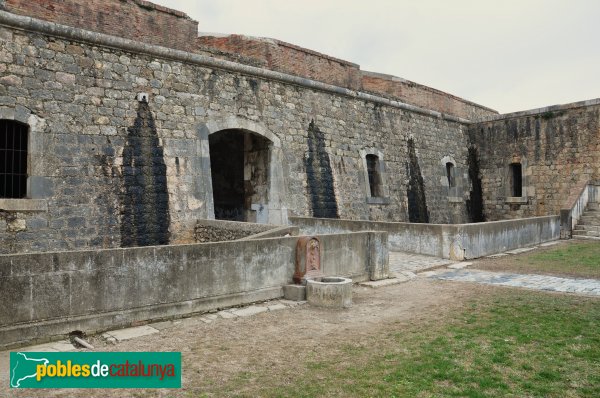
516 200
383 282
23 205
378 201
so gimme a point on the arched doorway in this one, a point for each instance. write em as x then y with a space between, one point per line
239 163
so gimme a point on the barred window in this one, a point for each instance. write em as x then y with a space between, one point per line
13 159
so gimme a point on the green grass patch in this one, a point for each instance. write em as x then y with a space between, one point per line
576 258
573 258
510 343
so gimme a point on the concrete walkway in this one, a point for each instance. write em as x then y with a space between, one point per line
409 262
537 282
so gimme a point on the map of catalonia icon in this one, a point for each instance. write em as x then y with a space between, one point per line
24 367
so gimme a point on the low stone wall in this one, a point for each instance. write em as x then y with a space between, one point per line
454 241
483 239
47 295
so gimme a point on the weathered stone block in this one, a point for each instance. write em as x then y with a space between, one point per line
294 292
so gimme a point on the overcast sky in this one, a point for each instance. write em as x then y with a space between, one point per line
509 55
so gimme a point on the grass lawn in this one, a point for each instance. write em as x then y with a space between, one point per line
573 258
503 343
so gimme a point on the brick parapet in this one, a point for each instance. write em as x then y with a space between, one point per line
133 19
423 96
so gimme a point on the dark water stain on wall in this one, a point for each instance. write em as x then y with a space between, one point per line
475 201
319 175
144 199
417 203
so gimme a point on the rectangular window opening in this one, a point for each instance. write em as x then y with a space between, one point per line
516 180
374 176
450 175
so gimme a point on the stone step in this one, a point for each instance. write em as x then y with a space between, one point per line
593 206
592 223
585 237
585 227
591 213
589 219
586 233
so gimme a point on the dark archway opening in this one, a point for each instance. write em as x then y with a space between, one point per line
417 203
239 166
475 201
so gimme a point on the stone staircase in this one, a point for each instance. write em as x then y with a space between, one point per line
588 226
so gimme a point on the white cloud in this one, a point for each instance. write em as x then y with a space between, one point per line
509 55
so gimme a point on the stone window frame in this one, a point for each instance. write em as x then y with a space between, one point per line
508 177
384 189
38 186
455 192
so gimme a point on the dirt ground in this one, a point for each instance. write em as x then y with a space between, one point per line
222 357
214 354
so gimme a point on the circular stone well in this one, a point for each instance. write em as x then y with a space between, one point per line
329 292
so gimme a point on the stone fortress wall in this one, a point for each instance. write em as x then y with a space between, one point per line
558 148
97 148
151 23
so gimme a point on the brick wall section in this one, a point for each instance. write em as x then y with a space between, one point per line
132 19
287 58
561 149
423 96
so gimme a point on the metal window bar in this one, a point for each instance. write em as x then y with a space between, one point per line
13 159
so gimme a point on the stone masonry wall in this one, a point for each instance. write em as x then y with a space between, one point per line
558 147
85 99
151 23
133 19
